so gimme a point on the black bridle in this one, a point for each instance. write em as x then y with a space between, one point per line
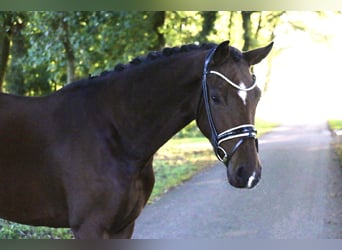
244 132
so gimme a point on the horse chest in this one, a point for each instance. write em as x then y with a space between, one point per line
115 199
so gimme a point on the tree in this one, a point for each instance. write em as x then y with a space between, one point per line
247 28
65 38
158 20
5 39
60 47
258 27
15 77
182 27
209 18
91 42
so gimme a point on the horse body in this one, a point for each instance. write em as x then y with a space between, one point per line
59 167
66 152
82 156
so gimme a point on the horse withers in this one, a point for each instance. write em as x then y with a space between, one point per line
82 157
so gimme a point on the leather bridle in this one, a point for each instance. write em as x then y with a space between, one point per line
244 132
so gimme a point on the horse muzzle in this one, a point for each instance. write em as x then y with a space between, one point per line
244 132
245 175
242 178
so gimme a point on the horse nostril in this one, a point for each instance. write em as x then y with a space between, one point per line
240 173
244 179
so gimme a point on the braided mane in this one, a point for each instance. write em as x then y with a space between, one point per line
166 52
155 55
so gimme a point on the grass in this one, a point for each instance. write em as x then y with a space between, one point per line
264 127
10 230
177 161
335 125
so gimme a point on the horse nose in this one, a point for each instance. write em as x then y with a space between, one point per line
244 179
253 180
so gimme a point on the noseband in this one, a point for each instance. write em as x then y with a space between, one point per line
244 132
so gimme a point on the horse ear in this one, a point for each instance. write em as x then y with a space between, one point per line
221 53
256 55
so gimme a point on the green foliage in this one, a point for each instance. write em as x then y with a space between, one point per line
181 27
93 41
190 131
335 124
264 126
59 46
10 230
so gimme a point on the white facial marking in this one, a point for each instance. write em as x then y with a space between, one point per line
250 180
242 93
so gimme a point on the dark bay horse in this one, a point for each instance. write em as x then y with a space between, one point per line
82 156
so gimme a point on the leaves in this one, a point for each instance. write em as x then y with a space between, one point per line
10 230
63 45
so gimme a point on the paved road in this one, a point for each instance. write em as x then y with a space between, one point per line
299 196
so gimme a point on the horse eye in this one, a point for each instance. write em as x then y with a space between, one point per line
215 99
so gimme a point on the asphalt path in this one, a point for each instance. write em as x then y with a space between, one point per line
299 196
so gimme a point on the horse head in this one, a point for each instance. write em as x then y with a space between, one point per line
226 115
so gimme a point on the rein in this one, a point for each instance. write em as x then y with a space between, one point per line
244 132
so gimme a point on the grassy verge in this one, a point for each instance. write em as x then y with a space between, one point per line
335 125
177 161
264 126
10 230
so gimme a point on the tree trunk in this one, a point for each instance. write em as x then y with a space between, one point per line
15 78
5 39
230 24
157 22
209 18
247 28
69 52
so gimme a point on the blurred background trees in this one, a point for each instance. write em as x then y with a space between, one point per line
42 51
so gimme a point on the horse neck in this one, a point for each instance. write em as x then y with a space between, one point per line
154 101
